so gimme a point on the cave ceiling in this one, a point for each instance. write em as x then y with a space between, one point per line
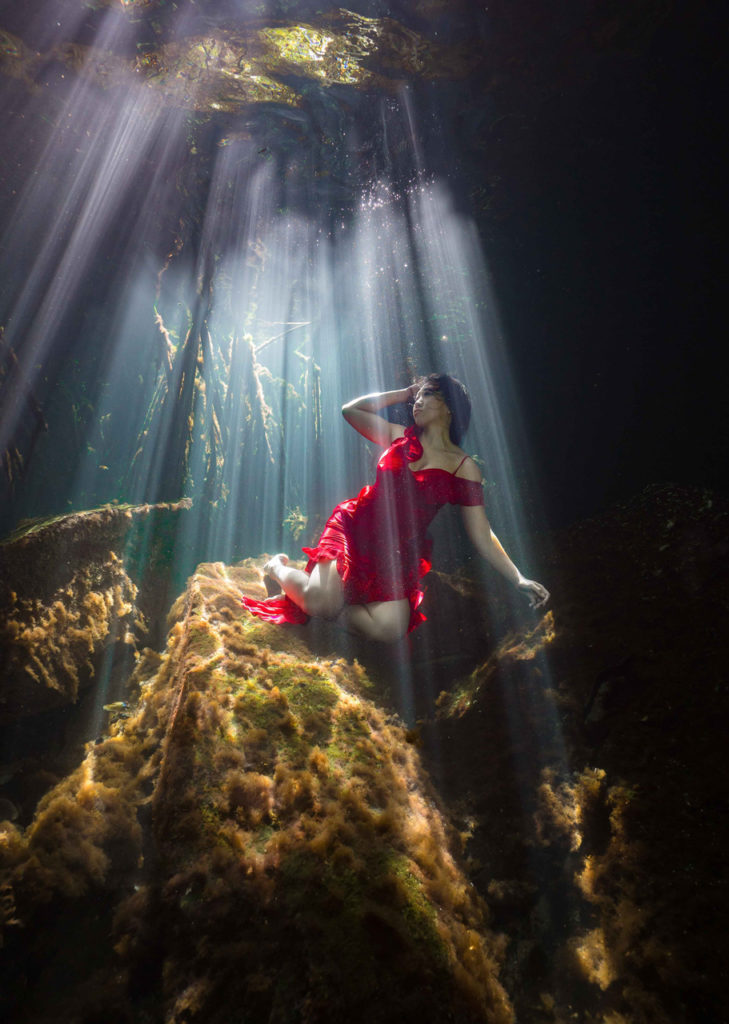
491 82
222 63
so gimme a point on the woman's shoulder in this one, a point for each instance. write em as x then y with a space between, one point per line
467 467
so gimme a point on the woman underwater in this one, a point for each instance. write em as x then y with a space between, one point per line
366 569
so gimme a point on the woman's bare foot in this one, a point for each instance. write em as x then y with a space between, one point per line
273 562
273 587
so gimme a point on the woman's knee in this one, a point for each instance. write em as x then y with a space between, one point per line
323 603
324 595
389 632
391 621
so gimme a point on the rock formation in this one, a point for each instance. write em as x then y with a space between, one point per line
256 837
67 596
259 840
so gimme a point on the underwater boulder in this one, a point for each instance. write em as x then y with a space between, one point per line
70 591
255 839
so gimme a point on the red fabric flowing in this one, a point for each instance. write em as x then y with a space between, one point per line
380 539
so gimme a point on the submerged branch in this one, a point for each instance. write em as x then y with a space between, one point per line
16 454
11 365
169 347
263 409
292 328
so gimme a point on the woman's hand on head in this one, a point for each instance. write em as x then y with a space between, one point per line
537 595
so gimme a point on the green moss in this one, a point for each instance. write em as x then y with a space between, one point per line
258 632
307 688
256 708
267 710
262 837
210 817
201 640
350 723
418 911
350 748
311 698
347 916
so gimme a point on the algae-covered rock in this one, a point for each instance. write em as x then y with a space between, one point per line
69 590
229 69
256 840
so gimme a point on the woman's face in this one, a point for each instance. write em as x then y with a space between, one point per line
430 406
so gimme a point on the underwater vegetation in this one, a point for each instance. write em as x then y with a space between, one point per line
260 841
193 398
66 597
19 448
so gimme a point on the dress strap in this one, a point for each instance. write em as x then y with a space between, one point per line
459 465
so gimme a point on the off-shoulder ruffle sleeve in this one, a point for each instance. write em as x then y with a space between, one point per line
465 492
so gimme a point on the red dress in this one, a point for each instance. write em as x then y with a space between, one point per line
380 539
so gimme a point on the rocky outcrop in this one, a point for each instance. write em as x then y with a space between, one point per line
257 836
70 593
255 839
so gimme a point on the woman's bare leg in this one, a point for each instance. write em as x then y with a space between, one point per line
385 621
319 593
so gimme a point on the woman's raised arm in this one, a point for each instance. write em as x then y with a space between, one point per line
361 413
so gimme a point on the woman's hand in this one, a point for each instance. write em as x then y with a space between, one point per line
535 592
489 547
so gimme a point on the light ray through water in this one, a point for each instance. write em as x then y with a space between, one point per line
230 356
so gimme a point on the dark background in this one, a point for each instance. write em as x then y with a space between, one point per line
607 259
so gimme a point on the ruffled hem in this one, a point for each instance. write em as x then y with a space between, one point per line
278 610
282 610
416 616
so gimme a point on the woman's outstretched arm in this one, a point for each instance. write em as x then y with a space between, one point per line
361 413
489 546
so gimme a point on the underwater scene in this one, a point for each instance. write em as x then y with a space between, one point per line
364 520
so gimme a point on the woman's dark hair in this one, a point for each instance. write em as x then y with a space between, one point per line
457 399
